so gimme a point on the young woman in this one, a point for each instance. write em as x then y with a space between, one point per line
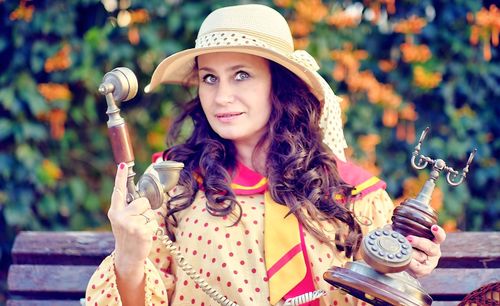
266 202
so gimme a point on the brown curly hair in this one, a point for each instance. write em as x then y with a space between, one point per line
302 173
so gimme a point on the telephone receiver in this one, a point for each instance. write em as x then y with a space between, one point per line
120 85
380 278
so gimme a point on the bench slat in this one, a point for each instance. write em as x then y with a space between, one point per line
62 248
457 283
36 280
471 250
43 303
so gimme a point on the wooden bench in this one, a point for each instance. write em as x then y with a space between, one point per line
53 268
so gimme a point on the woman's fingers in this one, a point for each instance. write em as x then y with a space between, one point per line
439 234
425 245
119 195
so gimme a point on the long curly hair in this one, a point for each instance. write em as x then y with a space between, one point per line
302 173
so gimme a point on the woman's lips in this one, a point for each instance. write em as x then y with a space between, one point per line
228 117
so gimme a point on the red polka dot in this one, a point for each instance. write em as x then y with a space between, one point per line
185 283
214 260
195 221
231 254
216 228
250 251
195 252
240 290
242 262
190 235
254 270
228 284
227 235
199 238
206 224
193 301
224 264
238 243
181 297
235 272
209 241
257 289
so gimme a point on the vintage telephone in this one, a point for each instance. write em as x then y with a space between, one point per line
380 278
120 85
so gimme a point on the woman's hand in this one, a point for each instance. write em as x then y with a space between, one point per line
426 253
133 226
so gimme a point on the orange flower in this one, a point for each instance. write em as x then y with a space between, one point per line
156 140
412 25
408 112
415 53
375 6
349 58
139 16
387 65
283 3
450 226
367 143
390 117
486 25
426 79
301 43
51 169
311 10
57 120
300 27
59 61
23 12
342 19
133 35
53 91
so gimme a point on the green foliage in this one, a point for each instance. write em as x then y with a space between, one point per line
53 179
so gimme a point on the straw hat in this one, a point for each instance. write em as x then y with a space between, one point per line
257 30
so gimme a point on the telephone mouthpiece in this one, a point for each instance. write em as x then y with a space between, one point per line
121 82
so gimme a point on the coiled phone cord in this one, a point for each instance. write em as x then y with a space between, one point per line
209 290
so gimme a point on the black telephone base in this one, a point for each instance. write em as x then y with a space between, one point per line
361 281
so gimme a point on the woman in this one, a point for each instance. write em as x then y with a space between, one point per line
265 203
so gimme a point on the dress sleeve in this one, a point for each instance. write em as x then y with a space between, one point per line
373 210
159 280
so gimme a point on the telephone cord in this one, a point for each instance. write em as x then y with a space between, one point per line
212 292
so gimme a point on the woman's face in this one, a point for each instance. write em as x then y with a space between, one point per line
235 94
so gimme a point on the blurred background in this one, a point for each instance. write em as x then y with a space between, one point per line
399 66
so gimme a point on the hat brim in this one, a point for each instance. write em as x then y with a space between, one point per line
176 68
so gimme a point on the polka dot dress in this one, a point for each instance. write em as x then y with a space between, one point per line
230 258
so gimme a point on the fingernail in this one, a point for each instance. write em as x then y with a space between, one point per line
409 238
122 165
434 228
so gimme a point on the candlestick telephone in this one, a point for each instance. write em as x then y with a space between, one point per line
378 279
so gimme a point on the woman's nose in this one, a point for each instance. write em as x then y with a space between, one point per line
225 93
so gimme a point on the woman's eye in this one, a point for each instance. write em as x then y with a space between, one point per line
242 75
209 79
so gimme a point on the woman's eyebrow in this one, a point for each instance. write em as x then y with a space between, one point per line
232 68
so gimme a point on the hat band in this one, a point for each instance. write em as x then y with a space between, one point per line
238 39
230 35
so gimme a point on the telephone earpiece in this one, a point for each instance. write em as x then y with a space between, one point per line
120 85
